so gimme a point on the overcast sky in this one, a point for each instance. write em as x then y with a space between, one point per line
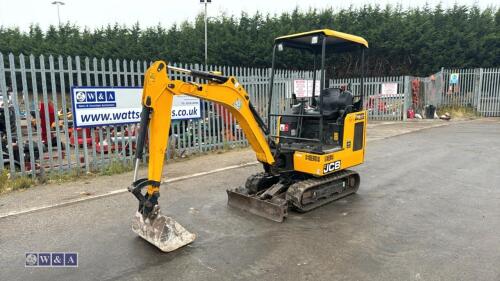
97 13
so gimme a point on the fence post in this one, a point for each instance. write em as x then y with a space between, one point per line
479 90
445 99
17 113
201 136
46 113
53 88
3 89
406 95
25 91
84 132
64 110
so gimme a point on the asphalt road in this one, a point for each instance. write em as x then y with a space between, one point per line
427 209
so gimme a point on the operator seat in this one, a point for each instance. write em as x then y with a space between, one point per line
335 103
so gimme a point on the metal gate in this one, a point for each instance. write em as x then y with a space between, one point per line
488 101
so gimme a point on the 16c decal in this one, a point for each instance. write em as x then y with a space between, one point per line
330 167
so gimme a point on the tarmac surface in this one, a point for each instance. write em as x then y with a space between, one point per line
427 209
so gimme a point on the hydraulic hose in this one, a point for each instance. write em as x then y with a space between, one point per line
143 129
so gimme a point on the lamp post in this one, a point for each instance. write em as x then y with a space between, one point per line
206 49
58 4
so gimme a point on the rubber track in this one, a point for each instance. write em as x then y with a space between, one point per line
296 190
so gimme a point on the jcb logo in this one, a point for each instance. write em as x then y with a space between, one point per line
330 167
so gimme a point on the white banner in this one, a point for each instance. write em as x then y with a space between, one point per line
102 106
304 88
389 89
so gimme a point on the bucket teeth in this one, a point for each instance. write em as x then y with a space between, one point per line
162 231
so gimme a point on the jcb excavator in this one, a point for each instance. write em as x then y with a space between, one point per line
305 163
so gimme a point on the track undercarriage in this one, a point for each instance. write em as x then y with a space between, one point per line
271 196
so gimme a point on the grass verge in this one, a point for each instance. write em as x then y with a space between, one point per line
458 112
7 184
115 167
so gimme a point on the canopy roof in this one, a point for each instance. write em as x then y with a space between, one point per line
335 40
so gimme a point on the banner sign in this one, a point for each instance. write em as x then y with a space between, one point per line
304 88
389 89
103 106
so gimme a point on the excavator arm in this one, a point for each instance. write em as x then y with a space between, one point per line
157 98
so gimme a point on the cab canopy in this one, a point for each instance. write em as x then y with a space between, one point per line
335 41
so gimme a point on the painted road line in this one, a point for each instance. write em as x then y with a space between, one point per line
119 191
210 172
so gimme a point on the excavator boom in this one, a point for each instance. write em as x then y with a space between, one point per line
162 231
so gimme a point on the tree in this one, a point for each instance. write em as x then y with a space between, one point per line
416 41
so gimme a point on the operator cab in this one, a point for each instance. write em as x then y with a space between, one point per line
315 123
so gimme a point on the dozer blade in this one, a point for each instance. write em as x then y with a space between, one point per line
162 231
273 210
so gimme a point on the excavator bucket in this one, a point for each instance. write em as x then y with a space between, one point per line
275 210
162 231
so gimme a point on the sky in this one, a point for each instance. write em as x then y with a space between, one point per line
98 13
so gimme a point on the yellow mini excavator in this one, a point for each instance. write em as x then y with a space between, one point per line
305 163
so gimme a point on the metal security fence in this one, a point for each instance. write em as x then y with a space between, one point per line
477 89
36 123
488 97
380 106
